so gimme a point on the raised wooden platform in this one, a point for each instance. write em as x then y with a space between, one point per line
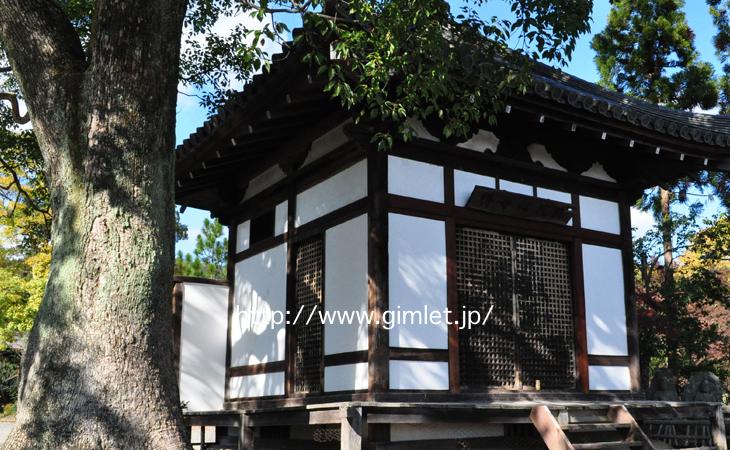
524 424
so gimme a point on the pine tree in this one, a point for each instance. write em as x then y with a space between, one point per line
647 50
719 11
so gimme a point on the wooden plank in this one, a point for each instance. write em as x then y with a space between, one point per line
418 354
608 360
255 369
246 434
490 442
274 418
446 417
550 431
717 426
339 359
353 428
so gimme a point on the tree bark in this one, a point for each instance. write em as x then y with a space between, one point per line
97 372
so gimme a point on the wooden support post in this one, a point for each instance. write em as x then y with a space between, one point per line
245 436
378 343
717 421
353 428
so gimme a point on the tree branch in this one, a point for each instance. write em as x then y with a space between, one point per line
21 190
15 108
46 54
6 69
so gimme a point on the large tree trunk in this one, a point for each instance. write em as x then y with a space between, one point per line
97 372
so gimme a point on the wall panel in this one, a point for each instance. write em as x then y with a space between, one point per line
259 385
604 299
417 278
333 193
599 215
415 179
259 295
203 346
609 378
347 377
346 285
419 375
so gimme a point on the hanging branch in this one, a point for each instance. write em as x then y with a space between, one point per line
15 107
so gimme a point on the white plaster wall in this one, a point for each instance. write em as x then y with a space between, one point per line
281 214
481 141
464 183
259 385
539 154
517 188
609 378
415 179
600 215
329 141
203 336
348 377
337 191
598 172
264 180
243 233
346 285
259 291
422 431
603 281
422 375
551 194
417 278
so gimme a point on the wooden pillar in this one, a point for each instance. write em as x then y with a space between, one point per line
717 421
353 428
632 317
378 341
245 436
581 335
178 293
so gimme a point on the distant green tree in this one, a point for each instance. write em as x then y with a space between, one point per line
208 259
719 12
647 50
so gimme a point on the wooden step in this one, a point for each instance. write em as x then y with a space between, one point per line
590 427
587 417
608 445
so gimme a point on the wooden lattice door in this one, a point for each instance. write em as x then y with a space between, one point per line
308 356
529 334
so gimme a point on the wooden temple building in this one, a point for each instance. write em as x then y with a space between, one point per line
525 225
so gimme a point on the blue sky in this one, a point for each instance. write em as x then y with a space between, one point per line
190 115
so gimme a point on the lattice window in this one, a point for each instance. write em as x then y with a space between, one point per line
529 335
308 357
